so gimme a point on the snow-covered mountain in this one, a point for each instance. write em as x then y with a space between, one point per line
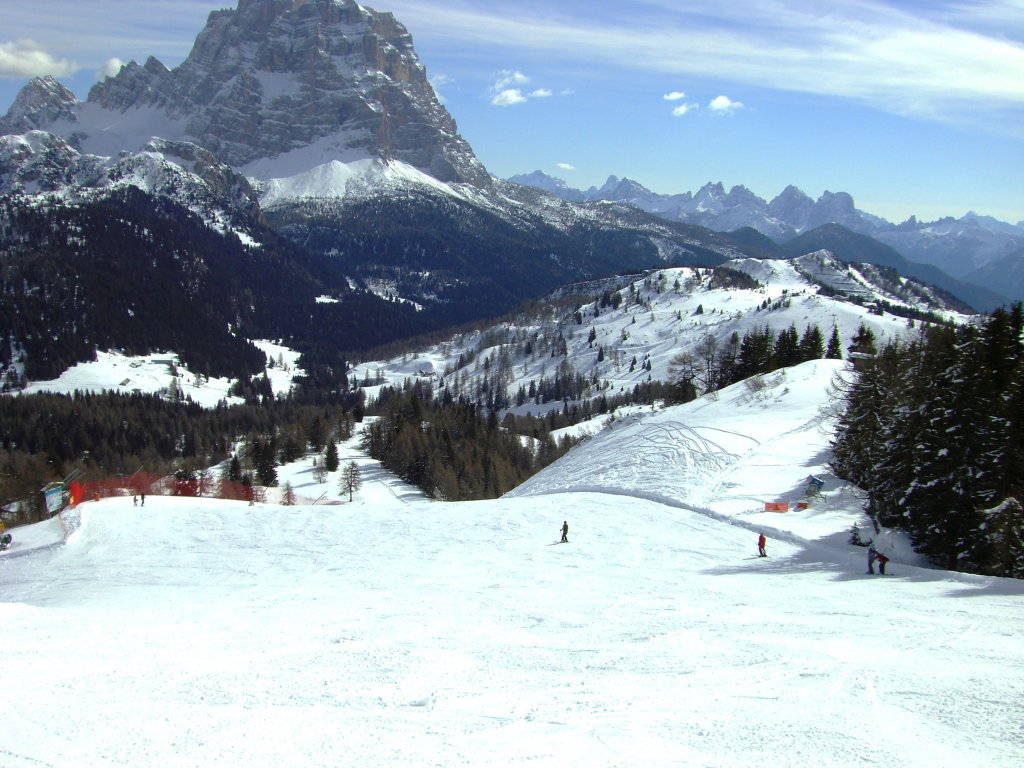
616 333
611 336
312 121
264 84
960 247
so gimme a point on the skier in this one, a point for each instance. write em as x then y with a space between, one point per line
882 560
142 496
872 556
760 545
565 531
5 538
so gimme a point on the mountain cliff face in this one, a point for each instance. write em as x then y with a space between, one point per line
270 78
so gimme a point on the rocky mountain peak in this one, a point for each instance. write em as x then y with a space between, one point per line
42 101
274 76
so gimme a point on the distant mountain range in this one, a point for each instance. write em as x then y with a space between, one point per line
975 249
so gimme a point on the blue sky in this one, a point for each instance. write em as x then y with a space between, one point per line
911 107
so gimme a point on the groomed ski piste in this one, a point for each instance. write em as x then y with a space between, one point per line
397 631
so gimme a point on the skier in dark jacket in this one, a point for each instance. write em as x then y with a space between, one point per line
872 556
565 530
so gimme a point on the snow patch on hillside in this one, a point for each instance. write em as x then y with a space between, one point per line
163 374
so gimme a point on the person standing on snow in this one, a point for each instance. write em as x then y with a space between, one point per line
872 556
882 560
761 541
565 531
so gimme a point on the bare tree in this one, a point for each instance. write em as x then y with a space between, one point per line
708 351
683 371
350 480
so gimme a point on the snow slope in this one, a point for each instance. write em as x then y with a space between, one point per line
397 631
158 373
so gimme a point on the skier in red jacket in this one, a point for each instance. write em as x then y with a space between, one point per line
760 545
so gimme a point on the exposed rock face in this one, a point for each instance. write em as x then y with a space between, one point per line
41 102
39 162
277 75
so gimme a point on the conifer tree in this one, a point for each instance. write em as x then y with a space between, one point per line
863 345
812 344
952 483
331 460
835 347
786 350
235 469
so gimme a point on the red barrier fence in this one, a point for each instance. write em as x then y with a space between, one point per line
163 485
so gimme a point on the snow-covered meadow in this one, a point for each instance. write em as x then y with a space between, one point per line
398 631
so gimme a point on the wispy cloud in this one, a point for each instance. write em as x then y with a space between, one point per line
566 167
922 59
509 78
507 90
680 109
26 58
947 59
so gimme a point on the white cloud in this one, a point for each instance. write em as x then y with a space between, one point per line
566 167
508 78
26 58
508 98
683 109
723 105
674 96
507 90
110 68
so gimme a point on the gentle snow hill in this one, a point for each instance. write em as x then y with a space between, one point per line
395 631
728 453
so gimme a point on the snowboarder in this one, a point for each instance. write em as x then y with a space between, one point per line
565 531
761 541
872 556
